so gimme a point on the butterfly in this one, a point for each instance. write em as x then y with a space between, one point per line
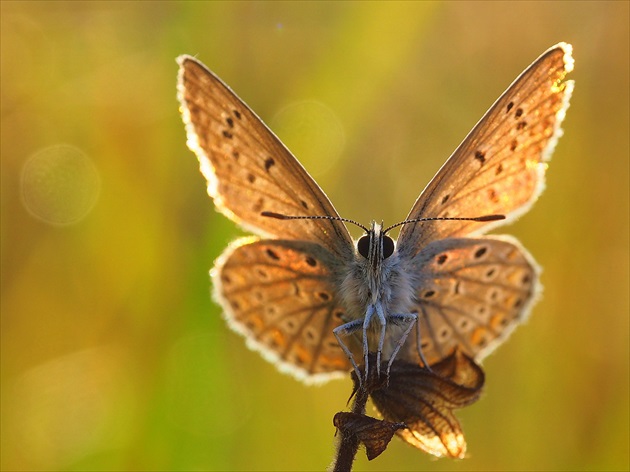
313 301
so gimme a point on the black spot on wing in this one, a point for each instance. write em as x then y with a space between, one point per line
480 252
273 255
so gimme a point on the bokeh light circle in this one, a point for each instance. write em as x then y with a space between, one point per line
60 185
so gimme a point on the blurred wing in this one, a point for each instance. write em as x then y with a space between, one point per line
281 296
424 400
499 167
472 294
247 168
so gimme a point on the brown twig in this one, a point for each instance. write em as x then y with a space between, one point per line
348 444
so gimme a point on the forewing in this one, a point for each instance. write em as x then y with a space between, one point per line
499 168
281 296
248 169
471 294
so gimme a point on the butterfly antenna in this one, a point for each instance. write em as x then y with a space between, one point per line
280 216
440 218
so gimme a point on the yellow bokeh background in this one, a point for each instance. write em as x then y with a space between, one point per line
114 357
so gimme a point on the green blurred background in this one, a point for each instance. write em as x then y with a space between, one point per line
113 354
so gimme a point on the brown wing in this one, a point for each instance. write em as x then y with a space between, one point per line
281 295
247 168
472 295
499 168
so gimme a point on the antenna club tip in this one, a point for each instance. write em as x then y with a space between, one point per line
491 218
271 214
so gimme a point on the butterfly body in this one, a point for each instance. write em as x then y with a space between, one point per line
374 290
371 278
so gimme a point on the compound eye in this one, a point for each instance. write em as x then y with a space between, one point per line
388 247
363 245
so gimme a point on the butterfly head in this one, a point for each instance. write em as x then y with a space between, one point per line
375 245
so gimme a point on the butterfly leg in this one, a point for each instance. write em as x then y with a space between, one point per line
366 348
419 344
409 319
346 330
381 340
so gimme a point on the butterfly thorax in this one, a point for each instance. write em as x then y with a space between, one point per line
375 278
